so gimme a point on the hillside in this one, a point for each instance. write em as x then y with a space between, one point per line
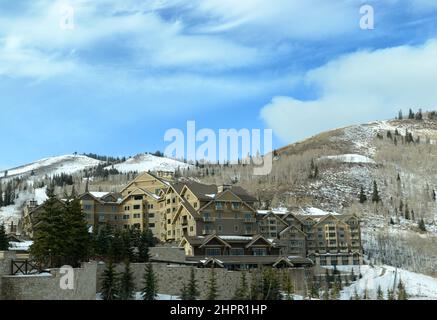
328 170
148 162
67 164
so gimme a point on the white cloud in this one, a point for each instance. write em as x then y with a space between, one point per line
358 87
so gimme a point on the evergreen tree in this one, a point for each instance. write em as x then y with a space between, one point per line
4 243
110 283
402 292
127 286
103 241
270 285
116 250
390 295
212 286
400 116
50 240
410 114
325 295
379 293
335 292
189 291
375 195
1 195
242 292
150 290
143 248
363 197
422 226
78 239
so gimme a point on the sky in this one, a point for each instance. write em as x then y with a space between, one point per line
111 77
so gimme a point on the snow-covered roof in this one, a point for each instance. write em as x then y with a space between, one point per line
99 194
316 212
235 237
20 246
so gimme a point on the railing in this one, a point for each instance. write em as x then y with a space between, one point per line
24 267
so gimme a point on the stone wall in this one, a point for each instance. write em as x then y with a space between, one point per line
171 278
174 254
46 286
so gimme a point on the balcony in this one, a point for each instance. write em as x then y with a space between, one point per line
208 219
249 220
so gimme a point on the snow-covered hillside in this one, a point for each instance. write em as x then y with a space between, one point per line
51 166
149 162
418 286
13 212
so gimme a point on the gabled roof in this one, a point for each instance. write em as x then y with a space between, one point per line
212 237
327 217
143 174
185 204
291 227
202 191
271 214
257 238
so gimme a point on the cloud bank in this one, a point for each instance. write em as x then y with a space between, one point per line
358 87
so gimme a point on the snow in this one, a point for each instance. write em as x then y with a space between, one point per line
418 286
235 238
99 194
317 212
349 158
20 246
138 296
54 165
149 162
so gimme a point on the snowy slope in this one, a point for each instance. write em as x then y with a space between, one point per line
13 212
149 162
54 165
418 286
349 158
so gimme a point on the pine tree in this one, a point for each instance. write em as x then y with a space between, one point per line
116 250
150 290
189 291
143 248
51 242
390 295
110 283
78 238
127 286
400 116
402 293
270 285
4 243
422 226
379 293
212 286
102 241
375 195
242 292
1 195
363 197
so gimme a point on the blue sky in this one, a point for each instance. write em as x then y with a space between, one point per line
129 70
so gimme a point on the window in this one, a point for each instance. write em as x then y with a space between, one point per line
138 197
151 215
88 207
125 217
168 201
157 191
168 221
191 228
235 205
137 207
151 225
126 208
195 204
101 217
212 251
237 252
259 251
173 200
236 228
114 209
137 215
220 228
219 205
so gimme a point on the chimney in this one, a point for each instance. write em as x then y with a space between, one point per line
224 187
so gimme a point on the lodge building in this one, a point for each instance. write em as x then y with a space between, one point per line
220 222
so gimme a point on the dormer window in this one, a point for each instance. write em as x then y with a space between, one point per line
235 205
219 205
